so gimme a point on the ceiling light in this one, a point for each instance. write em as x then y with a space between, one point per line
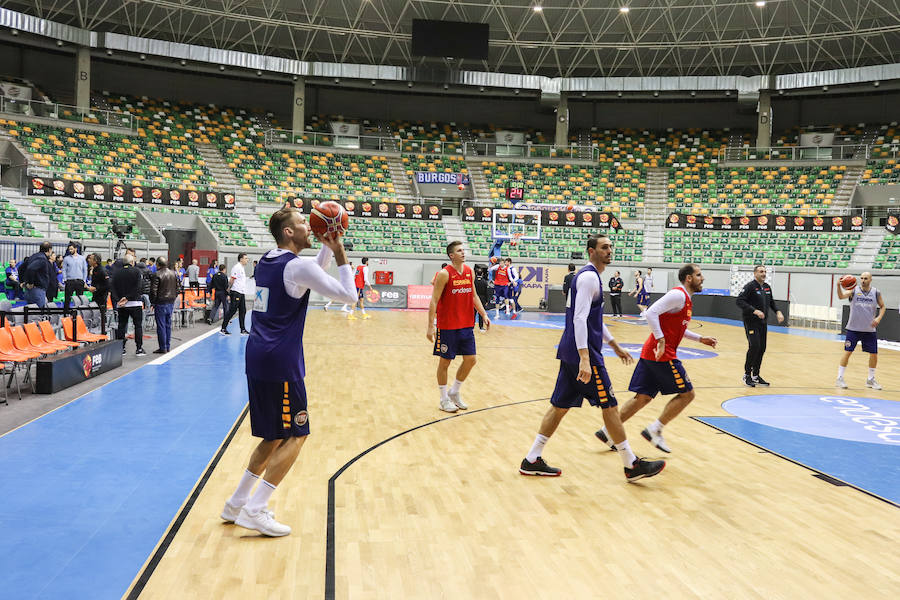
108 52
14 31
693 94
336 80
781 92
295 78
59 42
619 94
446 86
727 92
516 92
655 94
259 73
481 89
583 94
760 3
537 8
372 82
183 62
624 9
409 84
143 57
221 67
824 88
876 83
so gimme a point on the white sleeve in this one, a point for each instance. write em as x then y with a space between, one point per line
493 268
513 275
693 336
301 274
607 336
588 290
671 302
323 258
366 279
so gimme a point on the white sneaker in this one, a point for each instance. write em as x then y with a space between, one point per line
840 383
655 438
263 522
447 405
230 513
869 383
456 399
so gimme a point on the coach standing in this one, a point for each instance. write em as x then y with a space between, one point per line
755 300
236 295
615 294
74 272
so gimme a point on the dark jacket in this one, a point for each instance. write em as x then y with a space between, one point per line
615 285
756 297
481 288
100 279
164 287
38 271
220 283
567 283
146 277
126 283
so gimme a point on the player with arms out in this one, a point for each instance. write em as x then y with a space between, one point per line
582 373
865 301
502 291
659 371
274 361
454 302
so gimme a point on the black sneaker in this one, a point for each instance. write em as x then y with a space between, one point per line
245 332
644 468
605 439
748 381
124 351
224 332
538 467
760 381
159 351
140 352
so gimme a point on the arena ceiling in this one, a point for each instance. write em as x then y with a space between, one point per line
566 38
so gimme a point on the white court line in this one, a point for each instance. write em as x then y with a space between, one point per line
172 354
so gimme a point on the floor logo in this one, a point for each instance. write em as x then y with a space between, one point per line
841 417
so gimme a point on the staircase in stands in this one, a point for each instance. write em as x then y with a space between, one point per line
402 184
844 193
864 255
33 214
453 229
480 189
244 200
655 213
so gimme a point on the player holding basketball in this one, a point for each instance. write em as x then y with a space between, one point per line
362 280
274 362
501 286
455 302
582 373
865 301
659 371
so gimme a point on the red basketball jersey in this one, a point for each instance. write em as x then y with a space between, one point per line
501 278
456 306
360 277
673 326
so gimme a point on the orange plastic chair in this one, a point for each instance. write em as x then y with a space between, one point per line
33 332
84 334
21 342
50 336
7 348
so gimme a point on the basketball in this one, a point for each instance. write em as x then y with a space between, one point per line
328 217
493 260
848 282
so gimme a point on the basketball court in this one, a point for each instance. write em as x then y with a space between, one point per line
786 492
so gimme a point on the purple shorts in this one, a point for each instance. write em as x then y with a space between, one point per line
868 339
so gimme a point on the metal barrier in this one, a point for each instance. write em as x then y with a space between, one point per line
65 112
791 153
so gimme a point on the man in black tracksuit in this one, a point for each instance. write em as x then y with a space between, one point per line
755 300
126 283
615 294
219 283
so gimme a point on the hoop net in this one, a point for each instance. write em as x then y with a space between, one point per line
515 239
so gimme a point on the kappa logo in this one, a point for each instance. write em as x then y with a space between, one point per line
301 418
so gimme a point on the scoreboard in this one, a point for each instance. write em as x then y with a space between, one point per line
515 190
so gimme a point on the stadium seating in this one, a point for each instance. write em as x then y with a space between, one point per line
661 148
13 224
888 256
433 163
881 172
827 250
423 137
753 190
555 243
619 189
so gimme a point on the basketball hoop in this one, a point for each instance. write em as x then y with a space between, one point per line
515 240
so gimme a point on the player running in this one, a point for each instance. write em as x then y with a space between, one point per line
582 373
659 371
455 302
865 301
501 285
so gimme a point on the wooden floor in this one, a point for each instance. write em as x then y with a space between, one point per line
442 512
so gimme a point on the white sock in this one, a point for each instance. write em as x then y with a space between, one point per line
454 389
655 426
841 372
362 310
242 493
627 455
261 498
871 373
497 314
344 308
443 389
536 448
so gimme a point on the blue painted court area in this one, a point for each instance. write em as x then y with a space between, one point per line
855 440
92 487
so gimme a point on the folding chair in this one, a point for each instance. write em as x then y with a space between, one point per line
49 335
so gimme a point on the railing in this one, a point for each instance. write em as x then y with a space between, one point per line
790 153
426 146
63 112
37 171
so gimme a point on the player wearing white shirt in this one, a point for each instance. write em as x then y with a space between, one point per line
237 290
659 371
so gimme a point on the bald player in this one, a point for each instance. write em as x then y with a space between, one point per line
865 302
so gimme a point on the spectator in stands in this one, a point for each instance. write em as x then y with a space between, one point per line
567 280
237 289
36 275
126 284
99 286
151 265
12 285
615 294
74 274
193 273
163 293
219 286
